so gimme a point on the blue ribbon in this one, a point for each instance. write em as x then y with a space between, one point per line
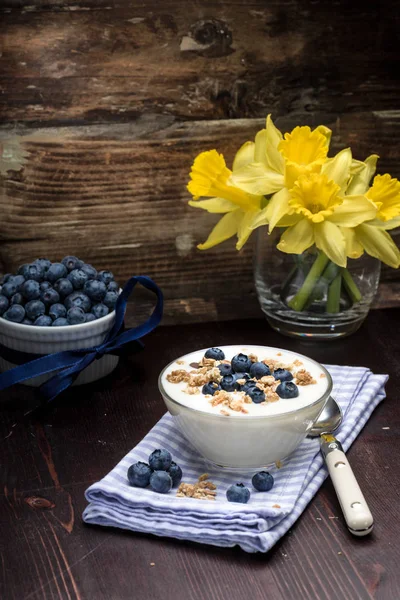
69 363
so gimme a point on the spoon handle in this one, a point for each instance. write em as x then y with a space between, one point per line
354 506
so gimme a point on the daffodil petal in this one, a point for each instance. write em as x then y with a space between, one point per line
244 156
245 228
356 166
330 240
338 168
298 238
260 147
260 219
353 247
277 208
273 137
360 181
257 179
379 244
224 229
214 205
386 225
326 132
289 220
353 211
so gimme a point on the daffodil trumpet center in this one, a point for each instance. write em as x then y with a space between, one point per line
315 197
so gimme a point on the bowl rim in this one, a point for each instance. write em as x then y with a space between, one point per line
242 417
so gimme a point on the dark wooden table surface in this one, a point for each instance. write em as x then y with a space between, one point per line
49 458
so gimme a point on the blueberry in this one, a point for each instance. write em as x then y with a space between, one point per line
75 316
57 311
215 353
64 287
160 460
139 474
33 271
9 288
78 299
72 262
6 277
287 389
110 299
89 317
100 310
175 473
56 271
43 321
259 369
17 299
96 290
18 280
4 304
49 297
44 285
238 493
30 289
263 481
225 369
60 322
22 269
89 270
105 276
15 313
78 278
161 482
248 386
44 263
113 286
26 322
283 375
210 388
229 383
256 394
241 363
34 308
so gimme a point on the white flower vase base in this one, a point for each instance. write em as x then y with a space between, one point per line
308 296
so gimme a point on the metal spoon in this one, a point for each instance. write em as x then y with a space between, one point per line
357 515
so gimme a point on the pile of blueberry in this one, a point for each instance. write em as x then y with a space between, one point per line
241 367
161 473
262 481
47 294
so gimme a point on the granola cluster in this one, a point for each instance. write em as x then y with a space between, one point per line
303 377
203 489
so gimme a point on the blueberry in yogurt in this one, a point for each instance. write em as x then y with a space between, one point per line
259 369
241 363
283 375
287 389
214 353
210 388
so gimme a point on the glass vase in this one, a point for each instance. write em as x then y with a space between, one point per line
306 295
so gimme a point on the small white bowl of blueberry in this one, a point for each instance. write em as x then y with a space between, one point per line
48 307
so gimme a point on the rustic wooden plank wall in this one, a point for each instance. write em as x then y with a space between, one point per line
104 105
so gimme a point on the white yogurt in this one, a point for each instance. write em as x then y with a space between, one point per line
307 394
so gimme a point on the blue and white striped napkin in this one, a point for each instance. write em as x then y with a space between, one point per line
255 526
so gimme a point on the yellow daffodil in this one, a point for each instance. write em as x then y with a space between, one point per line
315 211
279 160
372 235
211 178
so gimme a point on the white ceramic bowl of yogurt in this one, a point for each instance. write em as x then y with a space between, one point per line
262 434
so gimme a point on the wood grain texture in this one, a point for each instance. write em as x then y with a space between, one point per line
86 61
50 457
116 196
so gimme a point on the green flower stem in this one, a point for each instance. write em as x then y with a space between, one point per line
299 300
333 302
351 288
322 285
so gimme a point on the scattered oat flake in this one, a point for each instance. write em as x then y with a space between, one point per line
339 552
279 353
322 375
276 506
152 564
278 464
179 362
203 477
224 412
